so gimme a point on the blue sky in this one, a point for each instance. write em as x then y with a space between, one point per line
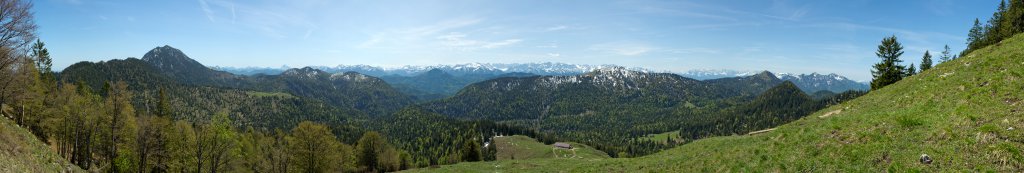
780 36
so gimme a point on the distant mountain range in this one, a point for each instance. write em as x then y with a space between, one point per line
436 81
817 82
547 68
810 83
705 74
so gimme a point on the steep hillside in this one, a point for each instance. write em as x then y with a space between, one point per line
965 114
20 151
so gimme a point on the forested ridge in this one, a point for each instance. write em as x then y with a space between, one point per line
622 105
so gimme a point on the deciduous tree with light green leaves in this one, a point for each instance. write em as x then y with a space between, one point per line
315 149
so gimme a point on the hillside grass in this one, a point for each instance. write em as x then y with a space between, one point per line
520 147
20 151
966 114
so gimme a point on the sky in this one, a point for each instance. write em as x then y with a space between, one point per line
824 36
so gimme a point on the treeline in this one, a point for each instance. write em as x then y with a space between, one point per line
1008 20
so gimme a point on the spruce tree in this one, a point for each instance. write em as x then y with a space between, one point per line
926 61
974 36
1013 19
41 57
888 71
994 26
163 107
945 55
910 71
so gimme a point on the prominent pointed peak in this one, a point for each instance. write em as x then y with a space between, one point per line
162 51
170 59
765 75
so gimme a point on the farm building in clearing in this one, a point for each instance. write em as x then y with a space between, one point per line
562 145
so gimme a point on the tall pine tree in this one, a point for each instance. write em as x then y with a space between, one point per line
888 71
910 71
945 55
975 36
993 29
926 61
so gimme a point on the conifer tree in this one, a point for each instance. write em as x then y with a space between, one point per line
910 71
926 61
993 29
975 36
41 57
163 108
1013 19
888 71
945 55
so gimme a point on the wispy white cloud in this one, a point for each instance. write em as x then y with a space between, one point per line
233 16
719 25
406 36
694 50
502 43
916 37
206 10
550 45
458 41
271 20
557 28
623 48
444 35
784 10
683 9
940 7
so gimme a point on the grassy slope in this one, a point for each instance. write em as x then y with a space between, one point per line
960 113
523 147
20 151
